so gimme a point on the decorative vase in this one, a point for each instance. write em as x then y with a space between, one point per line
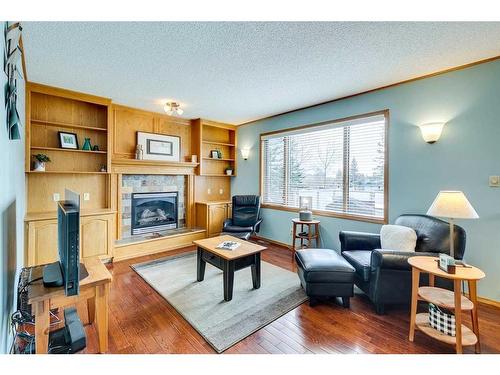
86 145
39 166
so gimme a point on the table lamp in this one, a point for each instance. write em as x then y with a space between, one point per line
452 205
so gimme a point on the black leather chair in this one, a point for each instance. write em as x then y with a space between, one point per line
385 275
245 219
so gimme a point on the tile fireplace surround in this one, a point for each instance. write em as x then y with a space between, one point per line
149 184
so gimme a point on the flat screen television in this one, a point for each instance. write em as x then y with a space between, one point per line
67 271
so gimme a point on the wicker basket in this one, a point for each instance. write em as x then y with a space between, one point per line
442 321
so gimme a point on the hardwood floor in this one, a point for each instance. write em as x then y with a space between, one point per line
141 321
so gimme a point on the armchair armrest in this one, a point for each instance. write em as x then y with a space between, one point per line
226 223
358 241
256 226
394 259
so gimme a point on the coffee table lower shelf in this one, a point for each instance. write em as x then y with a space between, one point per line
422 323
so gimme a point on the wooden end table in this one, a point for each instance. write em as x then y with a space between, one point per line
451 300
229 261
311 234
94 290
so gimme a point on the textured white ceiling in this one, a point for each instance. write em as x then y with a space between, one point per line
240 71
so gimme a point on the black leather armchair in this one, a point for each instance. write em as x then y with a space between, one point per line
385 275
246 218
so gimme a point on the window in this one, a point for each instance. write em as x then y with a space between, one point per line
340 164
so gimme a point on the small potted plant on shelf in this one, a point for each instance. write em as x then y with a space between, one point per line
40 160
229 170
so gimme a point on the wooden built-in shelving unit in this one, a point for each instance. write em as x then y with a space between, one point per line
208 136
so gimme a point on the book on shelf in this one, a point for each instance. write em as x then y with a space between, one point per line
228 245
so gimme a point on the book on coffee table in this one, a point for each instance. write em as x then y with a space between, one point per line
228 245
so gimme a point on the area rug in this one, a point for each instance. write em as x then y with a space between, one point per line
202 304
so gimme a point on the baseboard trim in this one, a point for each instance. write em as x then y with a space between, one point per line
487 301
274 242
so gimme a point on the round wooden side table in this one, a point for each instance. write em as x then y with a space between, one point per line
309 235
451 300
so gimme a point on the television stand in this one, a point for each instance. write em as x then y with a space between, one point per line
53 277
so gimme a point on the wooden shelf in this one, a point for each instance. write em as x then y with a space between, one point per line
443 298
422 323
68 125
66 172
213 159
67 150
34 216
217 175
218 143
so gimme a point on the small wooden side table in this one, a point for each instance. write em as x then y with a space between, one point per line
451 300
311 234
94 289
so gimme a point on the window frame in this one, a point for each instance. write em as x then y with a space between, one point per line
339 215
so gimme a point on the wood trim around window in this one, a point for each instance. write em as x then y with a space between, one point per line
339 215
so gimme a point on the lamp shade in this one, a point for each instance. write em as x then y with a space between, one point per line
452 204
431 131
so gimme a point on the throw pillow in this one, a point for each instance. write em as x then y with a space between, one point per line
398 237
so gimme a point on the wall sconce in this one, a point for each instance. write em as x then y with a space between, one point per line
431 131
245 153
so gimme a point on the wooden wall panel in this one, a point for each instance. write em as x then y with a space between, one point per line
128 121
41 188
203 183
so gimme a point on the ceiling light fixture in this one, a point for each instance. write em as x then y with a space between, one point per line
173 108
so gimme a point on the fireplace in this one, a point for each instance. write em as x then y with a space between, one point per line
153 212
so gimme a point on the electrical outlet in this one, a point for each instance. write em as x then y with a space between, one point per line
221 191
495 181
209 191
56 197
86 196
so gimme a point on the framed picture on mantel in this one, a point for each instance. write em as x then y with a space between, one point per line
159 146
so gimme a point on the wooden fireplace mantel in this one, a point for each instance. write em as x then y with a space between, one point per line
132 166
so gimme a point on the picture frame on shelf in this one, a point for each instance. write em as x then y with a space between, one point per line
159 146
68 140
214 154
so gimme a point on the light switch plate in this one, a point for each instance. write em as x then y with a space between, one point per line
56 197
221 191
209 191
86 196
495 181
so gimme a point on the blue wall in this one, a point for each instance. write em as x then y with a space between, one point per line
12 198
467 153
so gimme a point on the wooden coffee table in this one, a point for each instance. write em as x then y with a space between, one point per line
229 261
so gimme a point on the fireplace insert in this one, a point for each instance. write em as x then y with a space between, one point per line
153 212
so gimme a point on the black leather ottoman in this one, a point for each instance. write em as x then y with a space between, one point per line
325 273
241 235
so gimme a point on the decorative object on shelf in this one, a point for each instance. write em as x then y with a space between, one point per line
452 205
431 131
194 158
214 154
229 170
441 320
305 206
12 55
173 108
39 162
139 152
95 148
68 140
86 145
103 168
446 263
159 146
245 153
219 152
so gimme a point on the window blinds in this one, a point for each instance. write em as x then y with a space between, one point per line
339 164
